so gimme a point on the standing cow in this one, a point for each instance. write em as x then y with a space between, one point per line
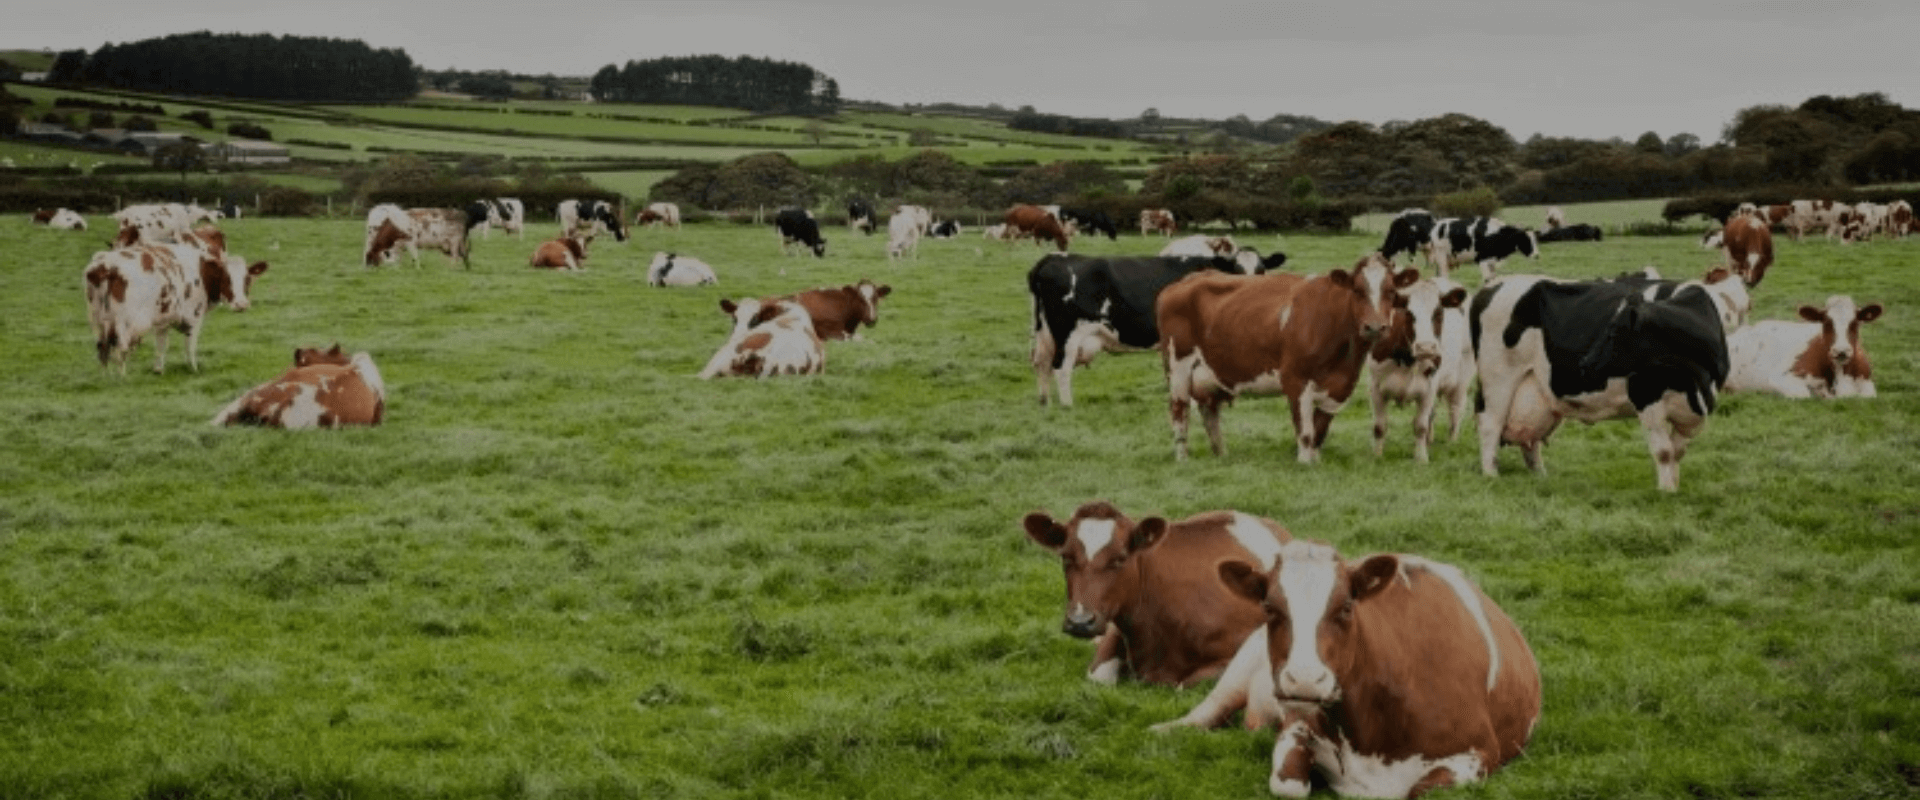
589 218
1426 357
860 216
1410 232
134 291
1157 220
903 237
1484 240
1037 222
797 226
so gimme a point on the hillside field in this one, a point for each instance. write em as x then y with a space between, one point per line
566 568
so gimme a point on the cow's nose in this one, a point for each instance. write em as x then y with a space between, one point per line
1842 356
1081 623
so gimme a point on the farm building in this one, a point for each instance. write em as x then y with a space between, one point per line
48 132
146 144
248 151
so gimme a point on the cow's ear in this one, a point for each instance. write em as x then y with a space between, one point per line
1043 530
1716 275
1341 278
883 291
727 307
1244 579
1869 312
1811 314
1405 278
1146 534
1454 298
257 267
335 350
1372 575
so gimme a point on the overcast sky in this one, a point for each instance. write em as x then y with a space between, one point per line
1590 69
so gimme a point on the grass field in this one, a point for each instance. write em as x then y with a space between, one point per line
565 568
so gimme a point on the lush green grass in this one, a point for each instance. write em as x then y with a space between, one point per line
567 568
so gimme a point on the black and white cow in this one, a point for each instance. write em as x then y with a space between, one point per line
1484 240
597 216
1592 351
797 226
860 216
1410 232
944 229
1086 305
1091 220
1578 232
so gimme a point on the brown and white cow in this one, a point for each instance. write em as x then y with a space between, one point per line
1426 356
656 214
1224 336
443 229
838 313
1899 221
163 223
1857 223
1747 243
1821 357
133 291
1156 220
566 252
770 336
1148 593
1396 674
61 218
1024 221
325 389
1805 215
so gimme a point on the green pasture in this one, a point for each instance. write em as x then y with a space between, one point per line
566 568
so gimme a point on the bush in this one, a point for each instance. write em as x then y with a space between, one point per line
138 123
199 117
249 130
286 201
1480 201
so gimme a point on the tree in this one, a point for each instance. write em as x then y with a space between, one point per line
1151 116
182 156
1681 144
1650 143
67 66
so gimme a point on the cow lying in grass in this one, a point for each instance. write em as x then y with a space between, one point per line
771 336
325 389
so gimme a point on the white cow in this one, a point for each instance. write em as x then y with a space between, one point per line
133 291
667 214
1821 357
903 236
673 269
1426 356
163 223
921 215
67 219
769 337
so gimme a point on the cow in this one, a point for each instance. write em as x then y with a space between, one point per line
770 337
1899 221
1747 243
1085 305
134 291
1029 220
1577 232
485 215
1804 215
1820 357
903 236
1556 218
1156 220
656 214
1592 351
997 233
1424 358
944 229
325 389
41 216
1856 223
1484 240
579 217
1203 246
1410 232
838 312
1224 336
512 217
60 218
797 226
1395 675
1091 220
443 229
860 216
1725 287
163 223
1147 592
673 269
922 216
566 252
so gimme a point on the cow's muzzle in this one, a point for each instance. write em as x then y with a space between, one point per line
1083 624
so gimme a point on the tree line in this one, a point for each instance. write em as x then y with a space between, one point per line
261 66
756 84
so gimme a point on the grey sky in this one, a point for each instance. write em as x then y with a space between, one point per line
1594 69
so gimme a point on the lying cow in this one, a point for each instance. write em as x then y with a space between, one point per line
1164 618
134 291
1577 232
325 389
770 337
1395 675
1821 357
566 252
1203 246
838 312
60 218
673 269
1426 357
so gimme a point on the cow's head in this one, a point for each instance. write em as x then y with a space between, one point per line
229 279
1373 289
306 356
870 294
128 236
604 212
1729 292
1310 597
1840 326
751 311
1096 548
1713 239
384 238
1417 319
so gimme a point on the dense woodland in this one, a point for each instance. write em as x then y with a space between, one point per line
260 66
755 84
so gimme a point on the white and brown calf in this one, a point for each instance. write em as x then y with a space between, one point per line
324 389
134 291
1821 357
770 336
1426 357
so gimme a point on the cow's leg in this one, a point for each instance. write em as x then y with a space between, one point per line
1487 269
1293 755
1660 442
1301 409
1377 396
160 350
1456 413
1177 409
1063 383
193 346
1423 422
1437 778
1210 416
1232 692
1105 668
1322 424
1493 418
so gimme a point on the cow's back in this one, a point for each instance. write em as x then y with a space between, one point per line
1187 624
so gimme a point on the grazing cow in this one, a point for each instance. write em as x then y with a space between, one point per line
1156 220
673 269
1028 220
770 337
1857 223
1747 243
1084 306
134 291
655 214
1091 220
1593 351
944 229
797 226
1484 240
1578 232
838 313
1202 246
566 253
1410 232
997 233
162 223
325 389
1223 336
903 236
1899 221
443 229
512 216
1395 674
1148 592
921 215
1424 358
1821 357
589 217
860 216
1805 215
485 215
